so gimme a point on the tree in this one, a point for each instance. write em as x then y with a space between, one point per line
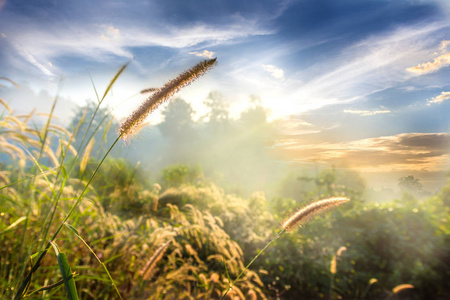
410 183
218 107
178 121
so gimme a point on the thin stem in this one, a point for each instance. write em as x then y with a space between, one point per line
250 263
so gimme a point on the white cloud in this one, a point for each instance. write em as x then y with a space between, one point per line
205 53
444 45
440 98
111 33
366 112
428 67
274 71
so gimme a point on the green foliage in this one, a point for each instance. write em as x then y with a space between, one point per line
123 219
177 175
401 242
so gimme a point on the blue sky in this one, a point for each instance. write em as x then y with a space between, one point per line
356 83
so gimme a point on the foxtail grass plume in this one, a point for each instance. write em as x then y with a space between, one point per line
401 287
159 253
130 125
312 209
333 261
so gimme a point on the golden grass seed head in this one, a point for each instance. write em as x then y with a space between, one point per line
157 256
401 287
305 213
131 124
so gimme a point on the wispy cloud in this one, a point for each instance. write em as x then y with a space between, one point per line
439 62
111 33
440 98
369 66
357 71
204 53
31 59
274 71
293 126
101 42
366 112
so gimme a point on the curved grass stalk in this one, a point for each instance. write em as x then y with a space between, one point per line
283 231
96 257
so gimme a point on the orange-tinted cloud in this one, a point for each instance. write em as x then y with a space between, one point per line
439 62
205 53
409 151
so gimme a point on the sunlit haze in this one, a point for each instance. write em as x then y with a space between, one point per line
352 84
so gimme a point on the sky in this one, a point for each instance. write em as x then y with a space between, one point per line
359 84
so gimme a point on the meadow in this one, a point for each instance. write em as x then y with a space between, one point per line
79 222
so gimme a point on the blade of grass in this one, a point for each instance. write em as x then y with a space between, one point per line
50 286
95 89
51 212
27 279
86 155
74 230
10 81
113 80
111 83
66 273
30 177
27 254
11 227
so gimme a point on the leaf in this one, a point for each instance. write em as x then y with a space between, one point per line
63 170
66 273
87 154
72 228
11 227
113 80
36 254
98 259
